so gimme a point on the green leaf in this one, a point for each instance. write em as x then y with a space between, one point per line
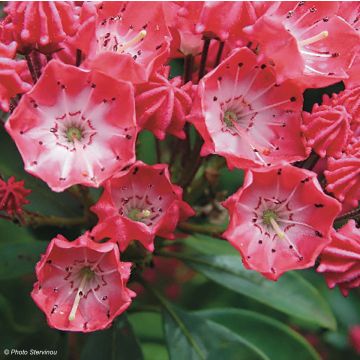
19 258
264 333
147 326
176 67
153 351
7 316
230 180
209 245
13 232
291 294
189 337
145 147
42 199
117 343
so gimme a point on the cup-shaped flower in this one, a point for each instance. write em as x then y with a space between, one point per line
306 41
81 284
244 115
139 204
126 40
280 220
340 260
75 127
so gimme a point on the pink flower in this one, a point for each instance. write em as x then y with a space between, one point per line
40 24
244 115
162 105
305 40
81 284
340 260
11 81
354 338
139 204
274 220
13 196
126 40
327 129
350 99
343 178
75 127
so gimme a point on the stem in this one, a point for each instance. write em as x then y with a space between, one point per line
78 57
311 161
190 172
31 68
202 229
48 57
36 60
188 68
355 214
35 220
204 56
13 104
219 53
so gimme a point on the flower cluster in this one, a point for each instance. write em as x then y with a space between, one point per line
95 75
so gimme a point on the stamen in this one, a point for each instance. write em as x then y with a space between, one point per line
136 39
277 228
313 39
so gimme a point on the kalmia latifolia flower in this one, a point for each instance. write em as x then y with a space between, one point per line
162 105
350 99
340 260
327 129
40 23
274 220
11 81
131 39
81 284
139 204
343 178
75 127
13 196
244 115
304 41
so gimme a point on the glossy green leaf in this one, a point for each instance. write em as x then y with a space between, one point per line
117 343
291 294
273 338
145 147
191 337
19 258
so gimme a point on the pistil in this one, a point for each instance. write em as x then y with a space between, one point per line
321 36
136 39
87 274
139 215
277 228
